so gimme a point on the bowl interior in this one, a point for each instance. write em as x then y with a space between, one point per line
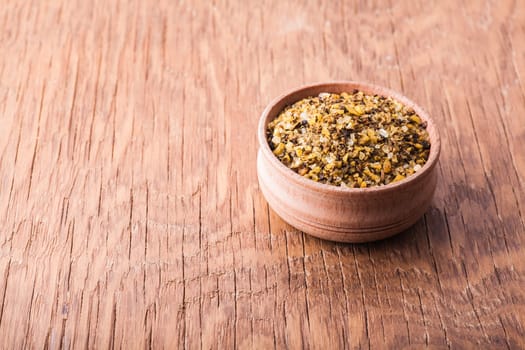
278 104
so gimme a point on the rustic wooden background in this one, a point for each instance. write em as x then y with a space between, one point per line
129 206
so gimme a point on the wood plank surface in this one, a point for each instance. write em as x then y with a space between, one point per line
130 213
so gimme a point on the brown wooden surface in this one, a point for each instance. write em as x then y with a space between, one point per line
129 206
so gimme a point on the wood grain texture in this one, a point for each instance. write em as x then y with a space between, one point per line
129 206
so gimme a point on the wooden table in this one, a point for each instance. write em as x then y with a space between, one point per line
129 204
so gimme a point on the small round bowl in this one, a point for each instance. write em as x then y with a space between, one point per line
344 214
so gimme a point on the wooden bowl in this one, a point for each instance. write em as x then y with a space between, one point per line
344 214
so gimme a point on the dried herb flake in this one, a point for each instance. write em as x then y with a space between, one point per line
350 139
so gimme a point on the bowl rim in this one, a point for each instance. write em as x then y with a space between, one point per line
264 147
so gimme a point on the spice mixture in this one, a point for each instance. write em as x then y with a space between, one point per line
350 139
